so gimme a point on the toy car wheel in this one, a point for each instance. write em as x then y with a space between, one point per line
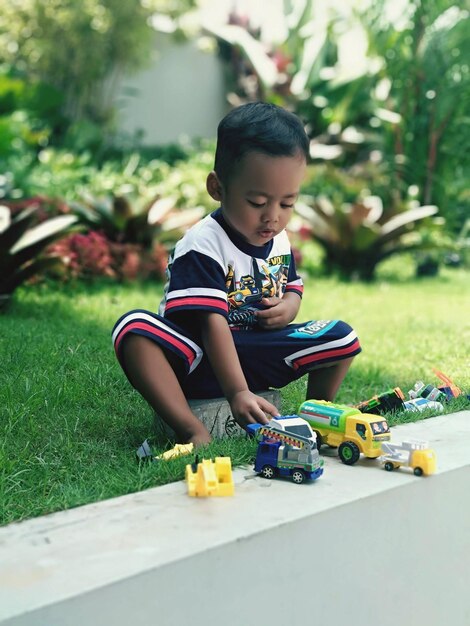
298 476
268 471
388 466
418 471
319 439
349 453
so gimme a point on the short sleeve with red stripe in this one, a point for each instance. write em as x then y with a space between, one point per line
197 282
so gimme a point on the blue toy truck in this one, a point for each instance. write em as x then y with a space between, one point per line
283 453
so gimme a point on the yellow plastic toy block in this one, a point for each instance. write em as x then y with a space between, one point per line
210 478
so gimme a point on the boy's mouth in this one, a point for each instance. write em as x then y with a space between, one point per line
266 233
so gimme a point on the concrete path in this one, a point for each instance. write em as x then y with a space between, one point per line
360 545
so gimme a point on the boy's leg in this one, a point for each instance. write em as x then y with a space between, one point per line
152 371
324 382
322 349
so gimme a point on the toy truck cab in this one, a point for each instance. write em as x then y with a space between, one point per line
347 428
295 425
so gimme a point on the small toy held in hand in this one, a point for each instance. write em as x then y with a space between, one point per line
414 454
210 478
293 423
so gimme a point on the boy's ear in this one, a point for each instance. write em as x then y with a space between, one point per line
213 186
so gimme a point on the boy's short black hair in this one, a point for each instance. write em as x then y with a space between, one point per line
257 127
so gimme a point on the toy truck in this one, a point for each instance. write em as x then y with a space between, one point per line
414 454
282 453
346 428
390 400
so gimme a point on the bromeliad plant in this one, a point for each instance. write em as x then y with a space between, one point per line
123 221
23 245
356 236
154 202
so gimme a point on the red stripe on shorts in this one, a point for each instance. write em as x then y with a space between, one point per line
320 356
189 354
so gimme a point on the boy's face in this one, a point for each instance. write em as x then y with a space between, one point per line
259 198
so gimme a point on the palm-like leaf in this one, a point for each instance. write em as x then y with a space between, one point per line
352 236
21 246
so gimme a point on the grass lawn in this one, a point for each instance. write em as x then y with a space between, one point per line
70 423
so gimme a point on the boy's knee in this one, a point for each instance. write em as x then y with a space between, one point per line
133 344
344 329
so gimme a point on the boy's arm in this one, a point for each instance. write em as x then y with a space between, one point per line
280 311
218 343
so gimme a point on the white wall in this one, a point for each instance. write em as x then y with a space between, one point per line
182 93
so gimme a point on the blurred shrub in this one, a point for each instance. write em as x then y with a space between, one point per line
404 102
133 210
93 255
70 176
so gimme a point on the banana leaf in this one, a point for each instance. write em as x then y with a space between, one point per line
252 49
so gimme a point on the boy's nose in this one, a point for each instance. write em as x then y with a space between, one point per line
270 214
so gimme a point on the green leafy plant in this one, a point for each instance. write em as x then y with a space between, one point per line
133 210
356 237
404 101
124 221
23 244
425 79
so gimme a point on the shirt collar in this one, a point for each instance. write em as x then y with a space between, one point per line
259 252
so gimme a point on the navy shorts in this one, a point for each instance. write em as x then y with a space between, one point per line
269 358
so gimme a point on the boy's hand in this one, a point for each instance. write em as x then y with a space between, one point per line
248 408
279 312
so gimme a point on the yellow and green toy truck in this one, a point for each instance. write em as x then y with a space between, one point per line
346 428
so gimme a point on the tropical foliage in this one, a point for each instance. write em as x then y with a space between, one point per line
79 49
23 243
389 132
356 237
426 83
404 104
359 219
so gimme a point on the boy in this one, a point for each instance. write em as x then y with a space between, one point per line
224 325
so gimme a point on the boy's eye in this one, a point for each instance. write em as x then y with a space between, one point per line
260 205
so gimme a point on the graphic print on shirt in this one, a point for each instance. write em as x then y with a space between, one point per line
244 296
211 270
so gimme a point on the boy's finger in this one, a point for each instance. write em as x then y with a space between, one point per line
259 415
269 408
270 301
266 313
